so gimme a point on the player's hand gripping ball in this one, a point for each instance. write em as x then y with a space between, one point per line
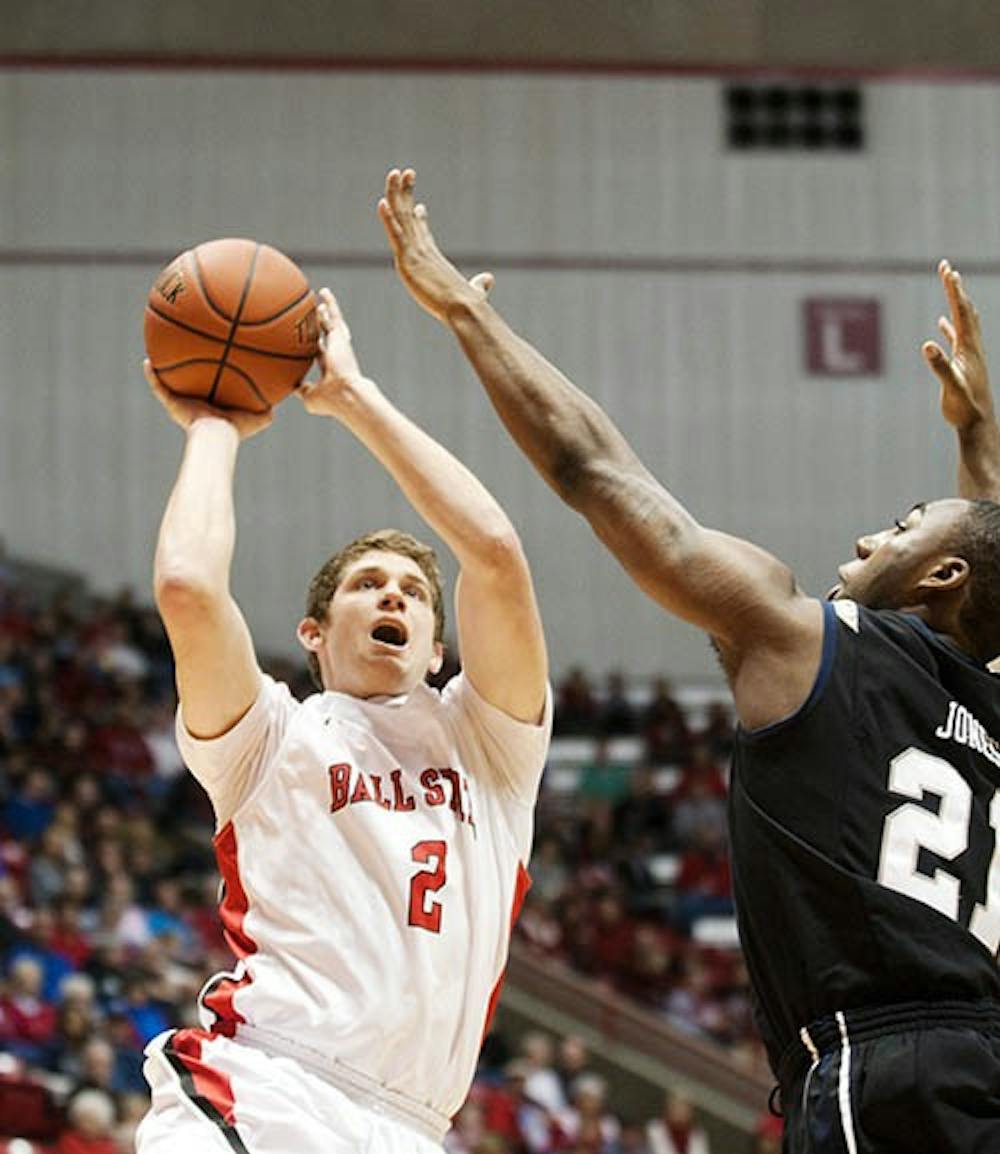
232 322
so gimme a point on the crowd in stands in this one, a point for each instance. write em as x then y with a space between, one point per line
108 888
548 1099
631 867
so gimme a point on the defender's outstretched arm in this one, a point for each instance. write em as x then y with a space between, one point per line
769 633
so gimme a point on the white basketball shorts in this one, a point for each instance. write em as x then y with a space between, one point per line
211 1095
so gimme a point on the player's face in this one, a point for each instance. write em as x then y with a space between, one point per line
890 563
378 635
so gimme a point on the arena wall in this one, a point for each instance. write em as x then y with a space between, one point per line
663 272
887 33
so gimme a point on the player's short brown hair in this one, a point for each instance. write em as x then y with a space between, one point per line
325 583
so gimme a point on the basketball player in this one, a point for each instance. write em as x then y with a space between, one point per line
372 840
865 800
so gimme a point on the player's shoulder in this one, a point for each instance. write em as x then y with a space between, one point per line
881 625
891 632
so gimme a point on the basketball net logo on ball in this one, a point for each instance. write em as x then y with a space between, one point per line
232 322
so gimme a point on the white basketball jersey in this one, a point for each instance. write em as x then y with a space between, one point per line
373 856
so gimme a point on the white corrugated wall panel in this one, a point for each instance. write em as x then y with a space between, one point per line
672 293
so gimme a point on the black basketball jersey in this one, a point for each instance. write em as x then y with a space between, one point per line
866 856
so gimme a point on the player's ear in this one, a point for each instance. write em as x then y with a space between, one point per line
434 666
310 634
948 573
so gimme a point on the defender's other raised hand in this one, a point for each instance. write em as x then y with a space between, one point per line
432 280
184 411
966 397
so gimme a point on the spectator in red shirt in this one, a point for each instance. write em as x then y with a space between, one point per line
468 1127
117 747
91 1118
767 1137
500 1106
702 774
29 1022
676 1131
652 967
610 936
68 937
704 881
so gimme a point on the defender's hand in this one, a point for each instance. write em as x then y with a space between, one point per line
184 411
966 397
432 280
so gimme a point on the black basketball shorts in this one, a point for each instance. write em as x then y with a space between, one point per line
918 1078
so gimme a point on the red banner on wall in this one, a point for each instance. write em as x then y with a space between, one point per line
843 336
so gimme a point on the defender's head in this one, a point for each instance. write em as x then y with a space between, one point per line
375 616
941 561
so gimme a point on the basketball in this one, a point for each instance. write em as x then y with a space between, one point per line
232 322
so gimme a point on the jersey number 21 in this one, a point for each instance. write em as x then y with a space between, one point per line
911 828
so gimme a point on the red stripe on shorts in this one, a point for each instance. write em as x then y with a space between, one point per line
209 1090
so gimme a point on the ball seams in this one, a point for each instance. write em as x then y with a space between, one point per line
206 296
168 319
247 282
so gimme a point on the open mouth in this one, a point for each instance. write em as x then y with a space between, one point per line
390 633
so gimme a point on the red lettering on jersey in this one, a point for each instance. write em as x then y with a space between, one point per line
451 776
361 791
384 802
340 783
433 793
401 803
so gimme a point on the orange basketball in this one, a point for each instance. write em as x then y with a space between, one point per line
232 322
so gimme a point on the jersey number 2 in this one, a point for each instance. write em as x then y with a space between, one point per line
911 828
424 914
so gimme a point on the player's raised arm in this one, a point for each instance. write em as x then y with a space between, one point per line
217 674
768 632
966 396
499 629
